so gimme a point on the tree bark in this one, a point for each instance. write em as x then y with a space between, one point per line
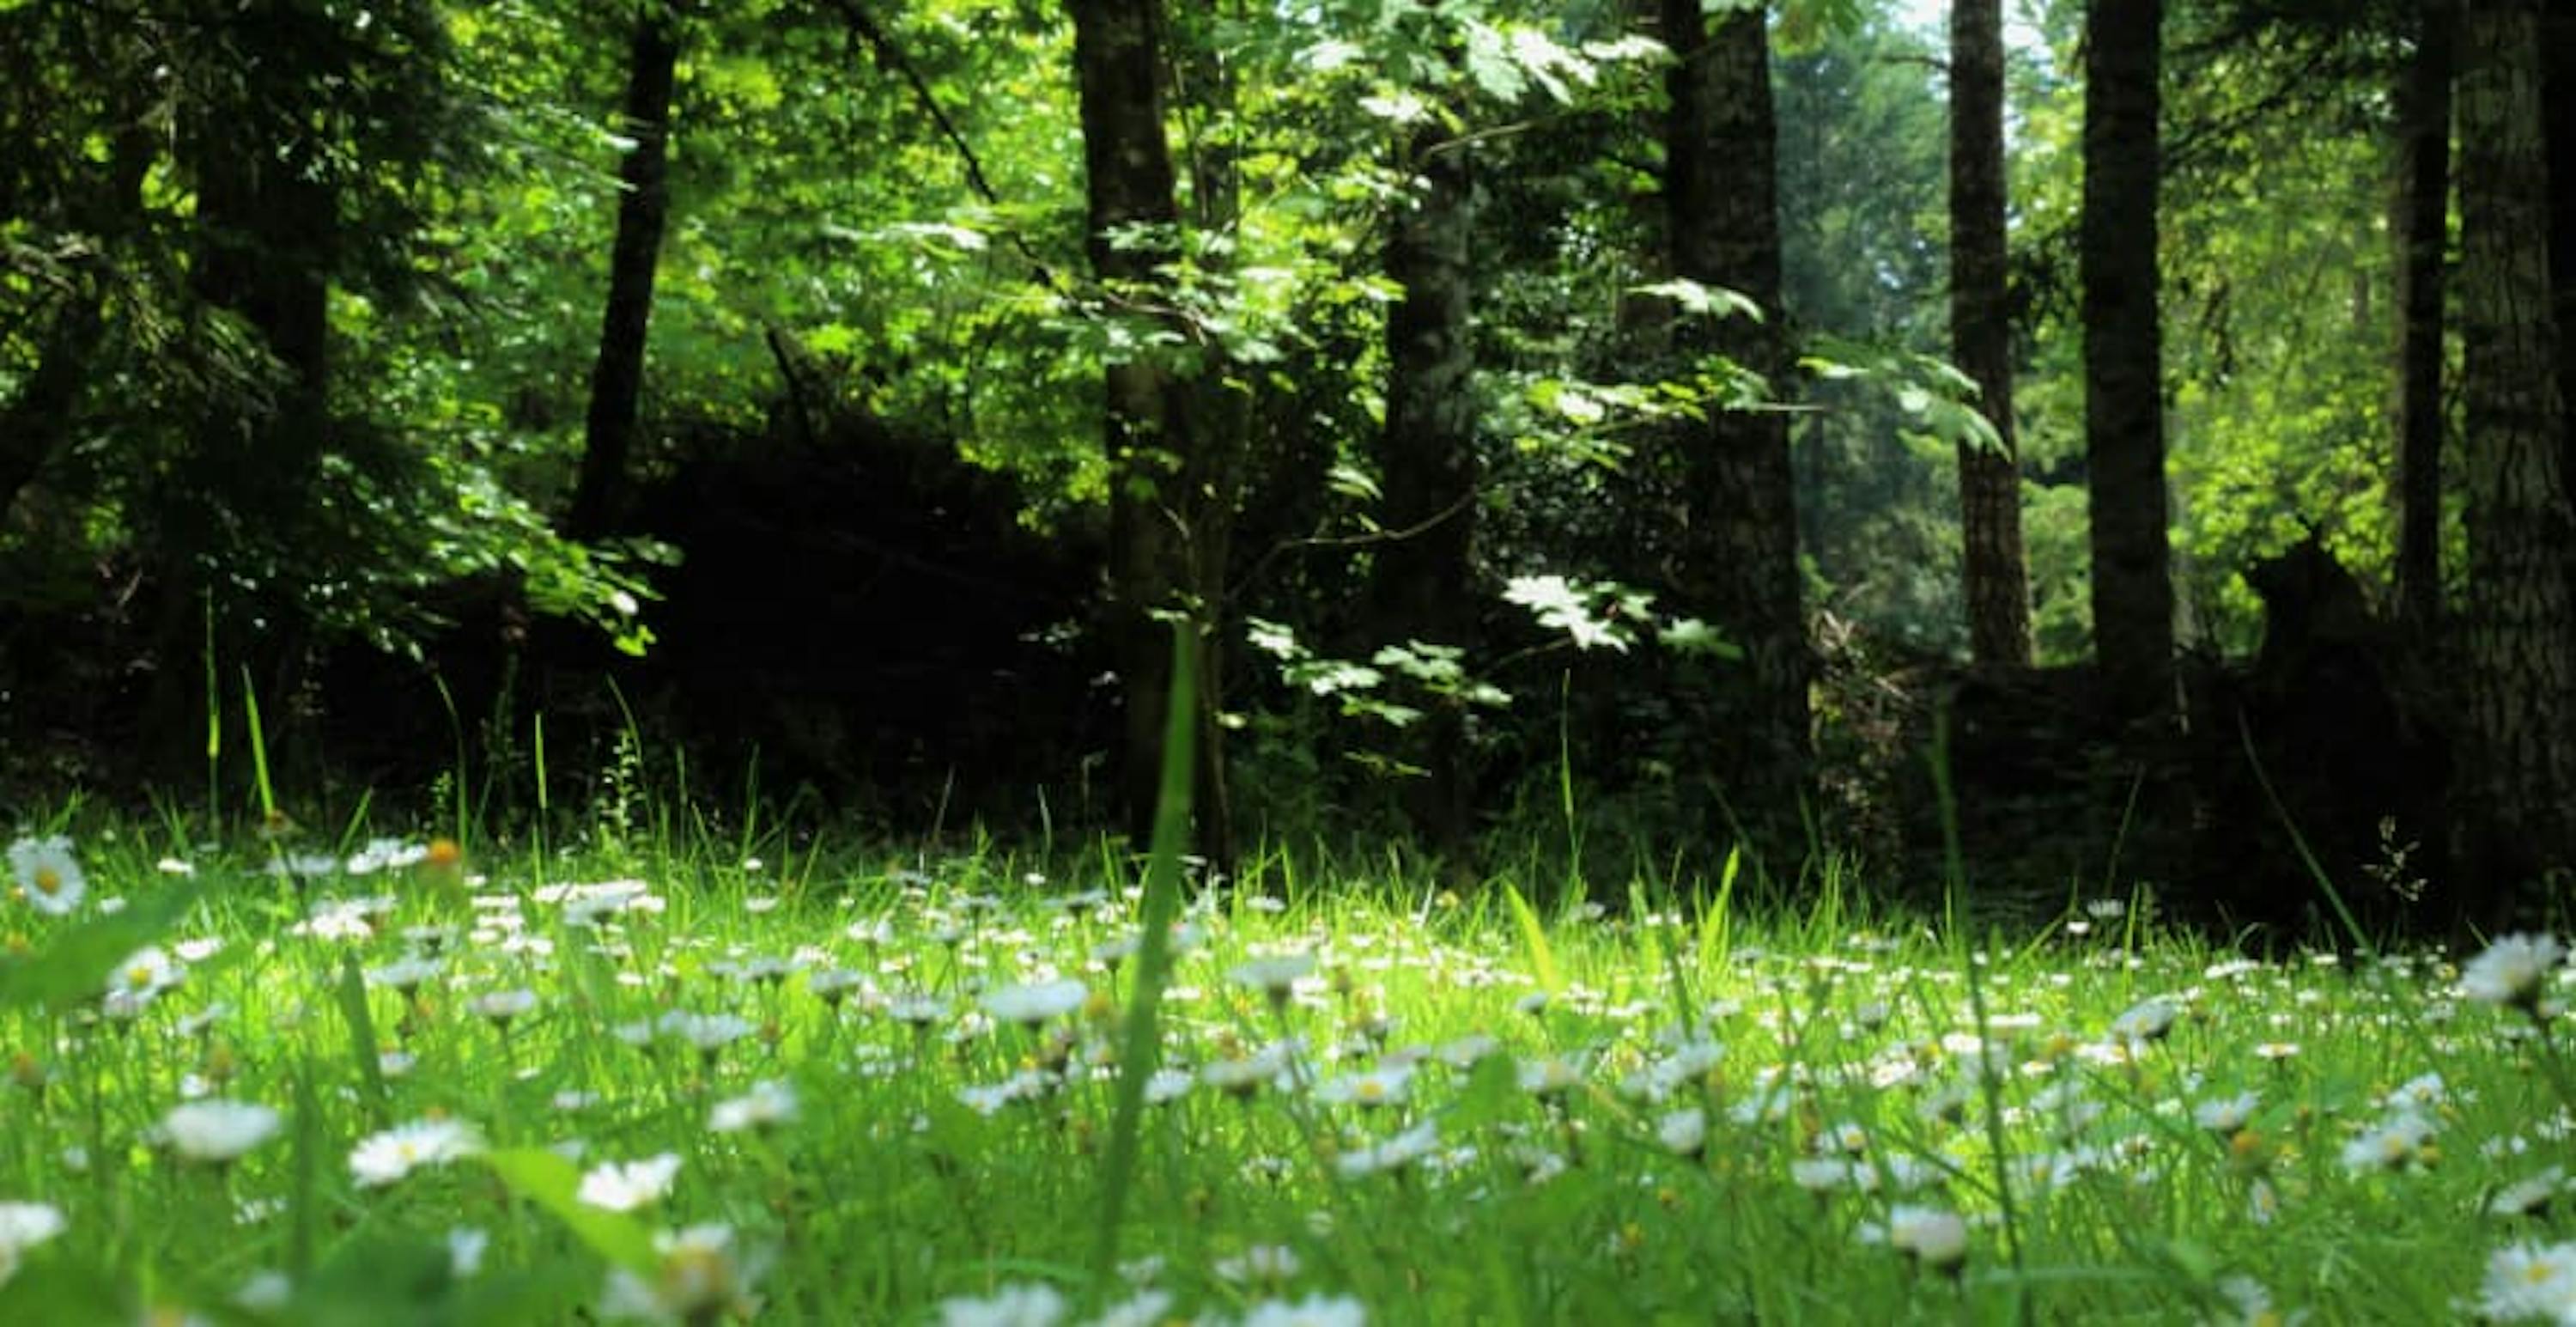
1740 571
2558 111
1421 585
1998 579
1166 516
2518 645
643 213
2124 436
2421 227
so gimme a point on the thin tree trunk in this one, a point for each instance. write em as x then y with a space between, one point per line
1162 525
2519 640
1998 580
2124 436
2421 225
1721 195
643 212
1422 581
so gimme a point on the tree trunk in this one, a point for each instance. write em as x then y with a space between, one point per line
2124 435
1998 581
1166 519
1422 582
1740 570
643 211
2558 111
2421 226
2518 645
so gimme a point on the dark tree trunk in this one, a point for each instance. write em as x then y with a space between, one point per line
1740 569
2558 111
1998 580
2421 226
1422 583
643 210
2124 434
1167 514
2518 644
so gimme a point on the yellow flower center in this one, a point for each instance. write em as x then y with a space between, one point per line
139 976
48 881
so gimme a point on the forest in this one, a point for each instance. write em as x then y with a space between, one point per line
1014 664
1703 407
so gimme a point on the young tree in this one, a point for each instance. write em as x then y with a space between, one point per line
2420 223
643 210
2124 440
1740 568
1421 587
1166 519
2517 803
1998 584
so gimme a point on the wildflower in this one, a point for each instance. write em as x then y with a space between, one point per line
1146 1308
1268 1264
2529 1197
2224 1116
700 1279
1394 1154
380 1159
1031 1003
465 1246
625 1186
2148 1020
406 974
140 979
502 1006
2530 1281
1312 1311
218 1131
1241 1076
1933 1237
23 1226
1033 1304
48 876
1377 1087
2396 1144
2512 971
2253 1304
766 1106
266 1292
1275 976
1684 1132
707 1033
1549 1076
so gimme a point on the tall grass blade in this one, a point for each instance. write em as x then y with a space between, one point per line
1139 1057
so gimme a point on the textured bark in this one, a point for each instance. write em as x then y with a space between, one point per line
2124 435
1740 568
2518 645
1998 578
1166 518
2421 224
2558 112
1421 582
643 212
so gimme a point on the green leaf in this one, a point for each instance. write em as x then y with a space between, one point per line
1534 939
73 967
554 1184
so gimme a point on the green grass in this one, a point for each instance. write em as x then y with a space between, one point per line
936 1156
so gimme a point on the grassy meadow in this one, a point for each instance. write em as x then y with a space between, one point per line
696 1081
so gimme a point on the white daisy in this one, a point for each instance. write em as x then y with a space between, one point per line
380 1159
623 1186
218 1131
766 1106
2512 971
48 876
1034 1304
1032 1003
